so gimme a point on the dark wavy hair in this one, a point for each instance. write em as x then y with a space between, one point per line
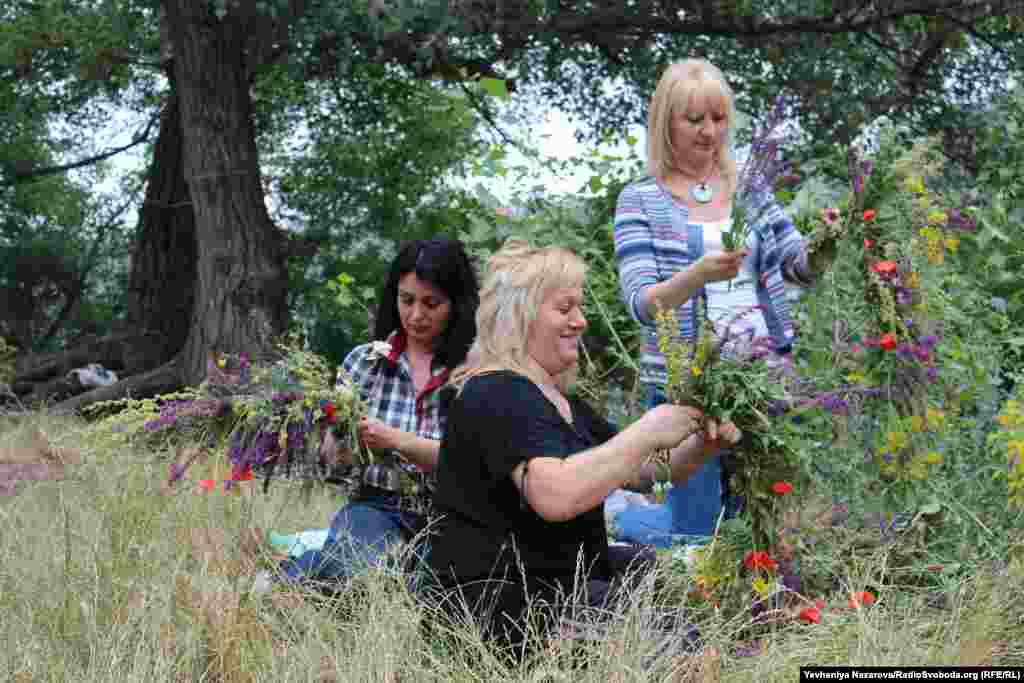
443 263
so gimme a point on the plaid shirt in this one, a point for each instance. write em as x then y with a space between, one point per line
384 381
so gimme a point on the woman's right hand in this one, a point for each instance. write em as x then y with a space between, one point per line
719 266
667 425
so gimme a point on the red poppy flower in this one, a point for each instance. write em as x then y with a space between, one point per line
868 243
330 411
758 559
244 474
863 598
884 267
206 484
869 215
810 615
781 488
887 341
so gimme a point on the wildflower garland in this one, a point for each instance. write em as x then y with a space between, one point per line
263 415
736 385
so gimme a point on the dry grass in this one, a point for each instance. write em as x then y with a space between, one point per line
107 576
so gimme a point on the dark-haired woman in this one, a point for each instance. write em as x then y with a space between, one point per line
425 324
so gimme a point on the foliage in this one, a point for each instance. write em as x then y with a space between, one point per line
1011 436
270 413
7 355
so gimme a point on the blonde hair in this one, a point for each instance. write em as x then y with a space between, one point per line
678 85
517 279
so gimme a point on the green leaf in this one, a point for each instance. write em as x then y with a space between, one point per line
495 87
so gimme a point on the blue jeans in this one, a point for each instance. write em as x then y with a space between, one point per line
358 539
690 509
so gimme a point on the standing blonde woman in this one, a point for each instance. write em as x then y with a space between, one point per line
668 245
524 467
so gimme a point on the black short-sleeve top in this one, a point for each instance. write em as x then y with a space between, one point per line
498 421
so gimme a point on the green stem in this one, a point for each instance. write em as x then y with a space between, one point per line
634 366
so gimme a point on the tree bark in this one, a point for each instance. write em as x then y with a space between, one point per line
161 287
241 288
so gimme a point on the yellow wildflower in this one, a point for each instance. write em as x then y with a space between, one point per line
952 243
1003 420
918 470
934 418
895 441
761 587
933 458
914 184
221 363
916 424
696 371
937 218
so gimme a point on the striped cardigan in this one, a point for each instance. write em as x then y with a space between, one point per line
654 240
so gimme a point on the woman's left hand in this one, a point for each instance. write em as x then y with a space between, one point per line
718 437
378 436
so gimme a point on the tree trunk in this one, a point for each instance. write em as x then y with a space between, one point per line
242 280
161 288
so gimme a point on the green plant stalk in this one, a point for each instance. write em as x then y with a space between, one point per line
615 335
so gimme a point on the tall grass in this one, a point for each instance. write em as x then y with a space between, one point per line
105 576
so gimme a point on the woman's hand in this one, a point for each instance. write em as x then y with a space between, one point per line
378 436
718 437
665 426
719 266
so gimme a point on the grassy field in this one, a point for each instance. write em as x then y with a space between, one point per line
106 575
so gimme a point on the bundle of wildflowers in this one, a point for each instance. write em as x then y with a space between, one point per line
762 171
267 414
735 383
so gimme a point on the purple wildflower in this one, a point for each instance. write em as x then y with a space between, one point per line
243 367
792 582
887 457
865 168
923 354
931 374
751 650
904 297
153 425
905 351
958 220
835 405
175 472
928 342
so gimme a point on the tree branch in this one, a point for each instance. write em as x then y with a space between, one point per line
88 161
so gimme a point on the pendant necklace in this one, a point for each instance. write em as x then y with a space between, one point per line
702 192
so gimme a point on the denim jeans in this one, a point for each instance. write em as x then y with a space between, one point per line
690 509
358 539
